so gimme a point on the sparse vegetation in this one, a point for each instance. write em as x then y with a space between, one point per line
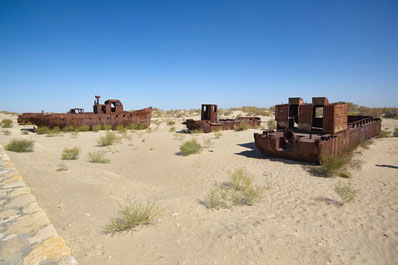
131 214
217 135
68 128
172 129
240 190
255 111
107 127
74 134
196 131
133 126
346 192
53 132
6 132
332 165
62 167
207 143
170 122
6 123
243 126
98 157
271 124
96 128
148 130
70 153
190 147
345 174
108 139
395 133
24 132
121 129
42 130
383 134
83 128
20 145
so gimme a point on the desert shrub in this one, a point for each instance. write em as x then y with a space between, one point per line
74 134
240 190
243 126
96 128
255 111
133 126
83 128
196 131
54 131
107 127
6 123
68 128
24 132
383 134
345 174
179 136
346 192
395 133
108 139
156 113
142 126
6 132
121 129
62 167
132 214
42 130
365 144
217 135
332 165
98 157
20 145
170 122
190 147
70 153
271 124
172 129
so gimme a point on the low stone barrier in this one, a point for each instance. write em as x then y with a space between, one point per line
26 234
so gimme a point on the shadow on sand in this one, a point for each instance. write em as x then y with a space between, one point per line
395 167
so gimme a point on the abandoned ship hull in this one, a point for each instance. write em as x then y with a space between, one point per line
140 117
308 147
208 126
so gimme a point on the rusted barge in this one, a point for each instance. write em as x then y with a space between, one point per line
304 131
109 113
209 121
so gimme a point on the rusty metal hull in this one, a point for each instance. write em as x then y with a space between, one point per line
140 117
208 126
308 147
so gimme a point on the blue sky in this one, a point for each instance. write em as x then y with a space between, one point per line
55 55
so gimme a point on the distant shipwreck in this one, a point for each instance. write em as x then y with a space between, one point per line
304 131
110 113
210 123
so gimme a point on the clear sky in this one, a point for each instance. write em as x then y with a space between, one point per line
55 55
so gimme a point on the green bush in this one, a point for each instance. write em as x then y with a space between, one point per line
96 128
42 130
108 139
6 123
68 128
98 157
346 192
190 147
332 165
70 153
20 145
83 128
240 190
133 126
271 124
107 127
121 129
132 214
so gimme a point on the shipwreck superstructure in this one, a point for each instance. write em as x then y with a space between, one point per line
304 130
209 121
109 113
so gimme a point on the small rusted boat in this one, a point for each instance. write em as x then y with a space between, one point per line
110 113
304 131
210 123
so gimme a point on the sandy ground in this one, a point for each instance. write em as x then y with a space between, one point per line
288 226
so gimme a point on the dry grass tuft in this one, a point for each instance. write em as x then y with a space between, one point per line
98 157
62 167
20 145
383 134
346 192
271 124
190 147
70 153
108 139
6 123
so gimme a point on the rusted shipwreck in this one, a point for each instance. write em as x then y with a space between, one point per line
110 113
209 121
304 131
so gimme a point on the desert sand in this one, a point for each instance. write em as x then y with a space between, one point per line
289 225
